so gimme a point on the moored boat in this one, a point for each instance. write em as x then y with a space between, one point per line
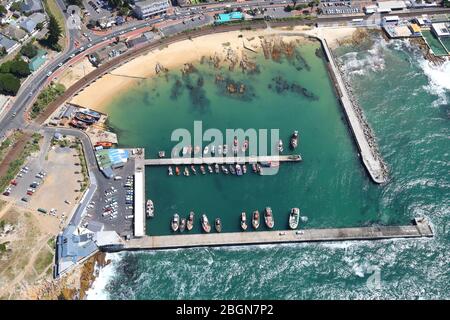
175 223
206 150
186 171
219 149
280 146
294 140
225 149
224 169
185 150
235 141
254 168
196 149
205 224
194 171
232 170
244 168
202 169
177 171
190 221
245 145
213 150
294 217
216 167
170 171
182 224
268 218
255 219
243 221
238 170
218 225
210 169
150 209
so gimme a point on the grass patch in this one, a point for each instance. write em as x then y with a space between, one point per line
7 143
47 96
43 260
83 165
51 242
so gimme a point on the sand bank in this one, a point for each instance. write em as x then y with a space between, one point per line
105 89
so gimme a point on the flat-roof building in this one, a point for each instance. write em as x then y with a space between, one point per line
388 6
441 29
147 8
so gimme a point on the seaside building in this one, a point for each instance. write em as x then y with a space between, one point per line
441 30
148 8
388 6
416 30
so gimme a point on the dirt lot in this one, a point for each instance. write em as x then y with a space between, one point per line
75 72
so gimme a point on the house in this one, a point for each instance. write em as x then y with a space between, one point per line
147 8
15 33
8 44
37 61
32 6
30 24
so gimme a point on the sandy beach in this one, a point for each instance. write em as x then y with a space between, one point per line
101 92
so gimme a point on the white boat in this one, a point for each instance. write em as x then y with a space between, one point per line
170 171
280 146
185 150
206 150
205 224
294 217
268 218
175 223
243 221
210 169
150 209
294 140
213 150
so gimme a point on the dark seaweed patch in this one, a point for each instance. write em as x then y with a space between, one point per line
280 85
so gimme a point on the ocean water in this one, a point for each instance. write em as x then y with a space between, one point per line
406 102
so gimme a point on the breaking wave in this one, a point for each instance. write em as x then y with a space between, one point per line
439 80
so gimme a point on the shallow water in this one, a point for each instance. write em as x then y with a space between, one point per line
407 104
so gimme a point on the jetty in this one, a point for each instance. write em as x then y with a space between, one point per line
219 160
420 228
366 147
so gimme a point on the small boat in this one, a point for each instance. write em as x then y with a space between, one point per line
205 224
218 225
235 150
182 224
232 170
294 217
258 168
170 171
175 153
220 149
243 221
216 167
193 169
245 145
255 169
255 219
235 141
294 140
186 171
185 150
225 149
150 209
224 169
189 150
244 168
177 171
175 223
238 170
268 218
213 150
280 146
210 169
190 221
161 154
206 150
202 169
196 149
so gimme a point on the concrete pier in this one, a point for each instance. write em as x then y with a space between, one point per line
219 160
369 155
139 193
419 229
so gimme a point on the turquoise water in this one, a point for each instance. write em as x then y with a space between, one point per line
407 104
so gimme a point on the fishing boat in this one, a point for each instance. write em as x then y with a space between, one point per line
218 225
202 169
219 149
243 221
205 224
294 217
225 149
170 171
150 209
161 154
268 218
232 170
235 141
258 168
196 149
245 145
206 150
182 224
255 169
235 150
213 150
294 140
193 169
216 167
238 169
185 150
255 219
186 171
104 144
190 221
244 168
175 223
189 150
224 169
210 169
85 118
280 146
177 171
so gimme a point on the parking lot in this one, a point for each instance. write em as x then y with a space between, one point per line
340 7
97 9
112 204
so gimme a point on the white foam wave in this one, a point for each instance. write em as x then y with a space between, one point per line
439 83
371 60
98 289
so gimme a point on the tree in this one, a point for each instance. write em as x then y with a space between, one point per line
29 50
78 3
40 26
115 3
54 33
3 52
447 3
20 68
9 84
16 6
3 10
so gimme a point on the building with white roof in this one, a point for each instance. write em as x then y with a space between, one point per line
388 6
441 29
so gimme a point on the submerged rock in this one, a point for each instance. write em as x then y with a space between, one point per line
281 85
